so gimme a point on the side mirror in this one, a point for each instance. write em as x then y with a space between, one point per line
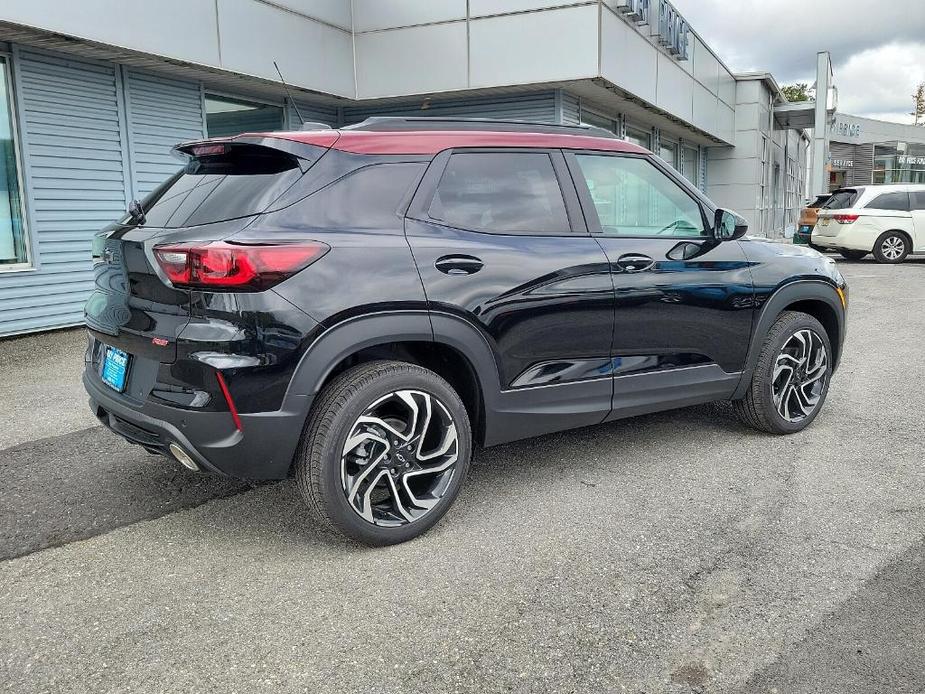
728 226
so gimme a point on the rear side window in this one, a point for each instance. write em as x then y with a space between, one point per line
242 181
841 199
502 192
890 201
367 198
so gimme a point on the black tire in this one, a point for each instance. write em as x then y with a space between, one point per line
334 416
821 249
887 245
758 408
853 255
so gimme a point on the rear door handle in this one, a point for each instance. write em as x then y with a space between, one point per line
458 264
634 262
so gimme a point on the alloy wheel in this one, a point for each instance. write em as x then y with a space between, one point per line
399 458
800 375
893 247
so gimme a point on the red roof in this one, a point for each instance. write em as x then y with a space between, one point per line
433 141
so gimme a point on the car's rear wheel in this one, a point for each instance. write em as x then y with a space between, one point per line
853 255
791 379
891 247
385 452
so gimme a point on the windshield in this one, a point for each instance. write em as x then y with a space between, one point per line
841 199
241 181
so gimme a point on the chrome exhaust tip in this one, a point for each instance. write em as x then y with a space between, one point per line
183 457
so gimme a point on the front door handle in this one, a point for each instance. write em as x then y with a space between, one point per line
458 264
634 262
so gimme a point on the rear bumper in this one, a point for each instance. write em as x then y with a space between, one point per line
852 237
262 450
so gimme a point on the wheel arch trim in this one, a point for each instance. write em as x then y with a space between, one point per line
776 303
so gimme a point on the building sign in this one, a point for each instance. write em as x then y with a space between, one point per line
637 10
842 163
843 128
669 28
672 30
910 160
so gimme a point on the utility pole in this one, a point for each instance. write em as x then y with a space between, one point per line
818 182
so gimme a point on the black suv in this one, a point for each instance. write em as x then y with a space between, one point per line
360 308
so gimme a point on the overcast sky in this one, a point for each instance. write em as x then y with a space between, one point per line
877 46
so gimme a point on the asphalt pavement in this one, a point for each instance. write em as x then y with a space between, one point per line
676 552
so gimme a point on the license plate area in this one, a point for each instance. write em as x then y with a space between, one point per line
114 368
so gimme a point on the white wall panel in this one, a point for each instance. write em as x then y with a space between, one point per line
627 59
481 8
385 14
706 67
310 54
675 90
411 61
336 12
534 47
704 114
725 122
182 29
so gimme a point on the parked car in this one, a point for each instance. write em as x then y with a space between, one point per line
886 220
807 220
361 308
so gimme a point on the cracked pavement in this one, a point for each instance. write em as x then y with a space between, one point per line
676 552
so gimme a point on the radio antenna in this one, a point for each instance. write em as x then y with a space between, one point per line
288 93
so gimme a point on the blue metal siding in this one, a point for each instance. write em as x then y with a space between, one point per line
74 161
316 113
160 113
538 107
570 109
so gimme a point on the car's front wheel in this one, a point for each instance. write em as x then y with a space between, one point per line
791 379
891 247
385 452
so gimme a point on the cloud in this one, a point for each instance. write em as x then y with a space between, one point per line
879 82
877 47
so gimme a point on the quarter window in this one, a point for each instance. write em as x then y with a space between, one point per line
634 198
890 201
13 250
503 192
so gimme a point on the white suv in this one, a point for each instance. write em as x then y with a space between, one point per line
886 220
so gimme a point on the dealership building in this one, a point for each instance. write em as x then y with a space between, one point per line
94 94
864 151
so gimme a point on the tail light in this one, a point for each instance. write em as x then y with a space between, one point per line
846 218
243 267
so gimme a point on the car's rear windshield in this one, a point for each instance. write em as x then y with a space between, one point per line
241 180
819 201
841 199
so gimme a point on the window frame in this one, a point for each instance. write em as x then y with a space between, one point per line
908 208
29 264
707 211
225 96
423 197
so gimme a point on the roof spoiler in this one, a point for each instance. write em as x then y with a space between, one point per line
301 150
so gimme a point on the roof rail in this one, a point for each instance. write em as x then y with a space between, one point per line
314 125
417 123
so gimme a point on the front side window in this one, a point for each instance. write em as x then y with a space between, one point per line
634 198
13 250
501 192
890 201
227 117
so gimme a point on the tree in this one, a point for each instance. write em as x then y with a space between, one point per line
918 101
797 92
